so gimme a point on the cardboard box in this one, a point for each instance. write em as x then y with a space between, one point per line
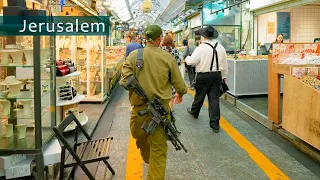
52 153
8 161
21 169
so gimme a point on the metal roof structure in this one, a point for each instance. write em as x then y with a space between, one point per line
131 11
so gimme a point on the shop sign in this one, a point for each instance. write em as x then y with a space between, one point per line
56 25
257 4
271 27
283 24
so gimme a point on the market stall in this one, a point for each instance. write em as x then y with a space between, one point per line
114 60
247 75
300 64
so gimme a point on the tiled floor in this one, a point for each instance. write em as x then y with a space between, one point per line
210 155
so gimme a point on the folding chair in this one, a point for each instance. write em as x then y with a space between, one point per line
81 154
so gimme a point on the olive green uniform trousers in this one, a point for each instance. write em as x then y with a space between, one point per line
154 147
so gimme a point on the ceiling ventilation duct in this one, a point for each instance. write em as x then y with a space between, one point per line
146 6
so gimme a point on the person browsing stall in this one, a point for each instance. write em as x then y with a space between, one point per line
133 45
159 73
210 71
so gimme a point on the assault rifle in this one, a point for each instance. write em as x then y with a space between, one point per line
159 114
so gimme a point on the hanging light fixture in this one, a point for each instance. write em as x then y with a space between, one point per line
146 6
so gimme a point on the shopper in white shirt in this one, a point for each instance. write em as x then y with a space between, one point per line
210 72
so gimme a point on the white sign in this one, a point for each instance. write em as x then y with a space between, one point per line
195 21
257 4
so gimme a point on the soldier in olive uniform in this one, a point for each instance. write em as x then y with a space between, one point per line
159 73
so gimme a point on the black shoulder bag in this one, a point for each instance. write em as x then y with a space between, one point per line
224 87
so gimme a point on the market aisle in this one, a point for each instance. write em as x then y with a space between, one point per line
210 156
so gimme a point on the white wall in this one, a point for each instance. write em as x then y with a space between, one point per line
305 23
263 36
257 4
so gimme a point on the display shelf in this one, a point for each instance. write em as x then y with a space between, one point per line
21 116
15 65
31 99
26 145
74 74
94 100
72 126
75 100
24 95
286 69
285 58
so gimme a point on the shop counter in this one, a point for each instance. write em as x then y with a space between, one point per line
301 111
248 77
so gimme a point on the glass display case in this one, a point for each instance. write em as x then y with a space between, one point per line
68 84
27 96
89 60
98 65
26 93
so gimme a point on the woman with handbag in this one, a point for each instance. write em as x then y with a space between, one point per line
210 59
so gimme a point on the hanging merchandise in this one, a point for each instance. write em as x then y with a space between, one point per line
62 3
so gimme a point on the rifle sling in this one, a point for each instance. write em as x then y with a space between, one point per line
139 61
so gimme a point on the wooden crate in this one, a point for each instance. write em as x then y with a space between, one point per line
281 69
301 111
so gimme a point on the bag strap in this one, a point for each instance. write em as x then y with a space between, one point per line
215 53
139 61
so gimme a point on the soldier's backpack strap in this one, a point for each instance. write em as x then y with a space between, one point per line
139 61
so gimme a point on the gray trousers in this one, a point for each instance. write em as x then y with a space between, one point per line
191 73
208 84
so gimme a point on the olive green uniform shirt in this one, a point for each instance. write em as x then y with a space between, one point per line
157 76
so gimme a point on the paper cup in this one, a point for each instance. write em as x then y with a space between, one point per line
16 57
29 56
9 130
21 130
4 107
2 130
14 89
27 107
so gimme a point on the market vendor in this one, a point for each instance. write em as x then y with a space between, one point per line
278 40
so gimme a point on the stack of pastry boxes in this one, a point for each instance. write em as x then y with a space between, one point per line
14 166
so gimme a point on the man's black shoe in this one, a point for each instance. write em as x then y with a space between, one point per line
216 130
189 111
